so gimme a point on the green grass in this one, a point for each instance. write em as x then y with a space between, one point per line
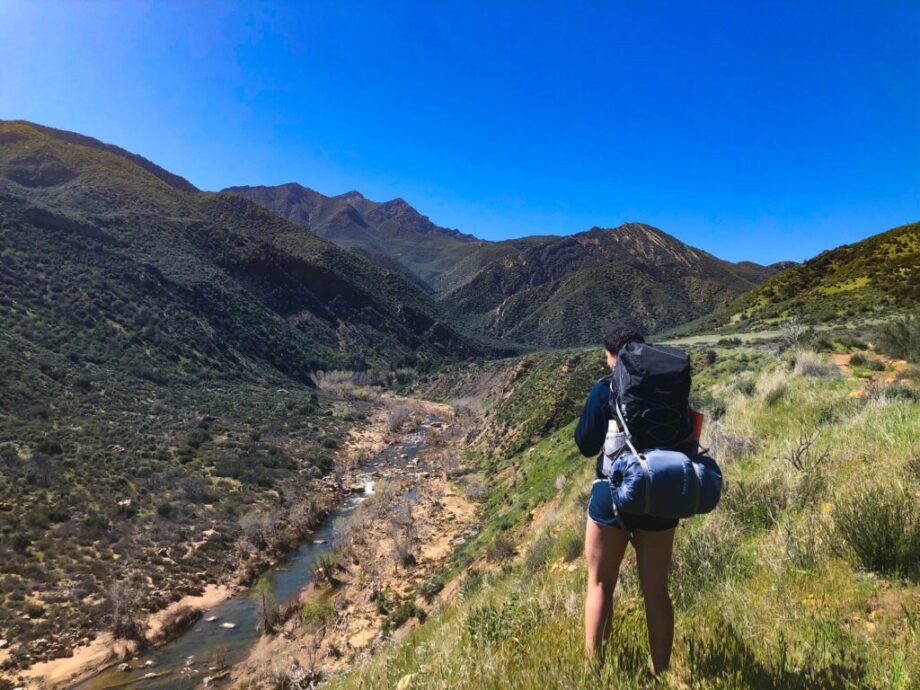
768 593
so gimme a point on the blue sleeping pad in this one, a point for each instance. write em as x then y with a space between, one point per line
665 483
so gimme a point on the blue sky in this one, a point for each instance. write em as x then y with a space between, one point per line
755 130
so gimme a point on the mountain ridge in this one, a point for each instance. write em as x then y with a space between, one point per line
473 278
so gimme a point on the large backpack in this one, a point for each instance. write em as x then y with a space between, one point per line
650 394
662 473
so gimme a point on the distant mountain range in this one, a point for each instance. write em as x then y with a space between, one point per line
538 290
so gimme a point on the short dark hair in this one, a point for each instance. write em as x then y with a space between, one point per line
618 337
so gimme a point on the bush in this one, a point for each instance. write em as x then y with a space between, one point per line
901 337
429 589
538 554
882 527
724 445
858 360
398 416
473 581
809 364
501 549
405 611
893 392
573 545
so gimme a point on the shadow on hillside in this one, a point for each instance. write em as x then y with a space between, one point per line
725 656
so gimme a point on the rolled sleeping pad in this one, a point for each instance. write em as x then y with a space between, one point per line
665 483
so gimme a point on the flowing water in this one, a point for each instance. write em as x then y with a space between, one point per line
198 653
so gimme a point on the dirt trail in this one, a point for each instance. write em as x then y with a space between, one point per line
893 370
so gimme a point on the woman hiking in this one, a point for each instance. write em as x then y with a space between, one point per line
606 539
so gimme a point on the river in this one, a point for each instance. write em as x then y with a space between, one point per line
198 653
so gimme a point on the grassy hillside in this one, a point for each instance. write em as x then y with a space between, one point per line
806 575
861 280
156 349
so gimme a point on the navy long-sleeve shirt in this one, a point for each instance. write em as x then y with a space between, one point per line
592 426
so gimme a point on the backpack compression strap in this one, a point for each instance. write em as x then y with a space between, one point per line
642 461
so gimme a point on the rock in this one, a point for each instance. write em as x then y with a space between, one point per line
149 663
3 644
148 676
228 625
125 667
319 541
212 619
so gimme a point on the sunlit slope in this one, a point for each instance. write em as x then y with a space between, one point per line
868 278
794 581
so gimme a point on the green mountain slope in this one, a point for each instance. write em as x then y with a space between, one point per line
567 291
256 285
878 273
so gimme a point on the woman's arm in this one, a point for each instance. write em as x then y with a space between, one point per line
592 427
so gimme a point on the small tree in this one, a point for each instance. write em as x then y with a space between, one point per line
127 598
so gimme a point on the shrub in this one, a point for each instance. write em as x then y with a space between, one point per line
875 365
501 549
429 589
573 544
405 611
487 625
881 525
126 597
21 543
893 392
49 447
398 416
901 337
538 554
724 445
858 360
177 621
809 364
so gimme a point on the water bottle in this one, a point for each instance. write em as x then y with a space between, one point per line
614 441
613 445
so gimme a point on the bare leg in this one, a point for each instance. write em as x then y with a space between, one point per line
653 559
604 549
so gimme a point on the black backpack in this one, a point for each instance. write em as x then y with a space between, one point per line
650 394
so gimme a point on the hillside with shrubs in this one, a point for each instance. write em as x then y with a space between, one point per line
159 411
807 575
862 282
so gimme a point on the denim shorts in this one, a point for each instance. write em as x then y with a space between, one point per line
600 510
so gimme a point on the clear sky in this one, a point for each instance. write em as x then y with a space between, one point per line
755 130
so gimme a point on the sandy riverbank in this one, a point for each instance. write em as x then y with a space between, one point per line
106 650
370 584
